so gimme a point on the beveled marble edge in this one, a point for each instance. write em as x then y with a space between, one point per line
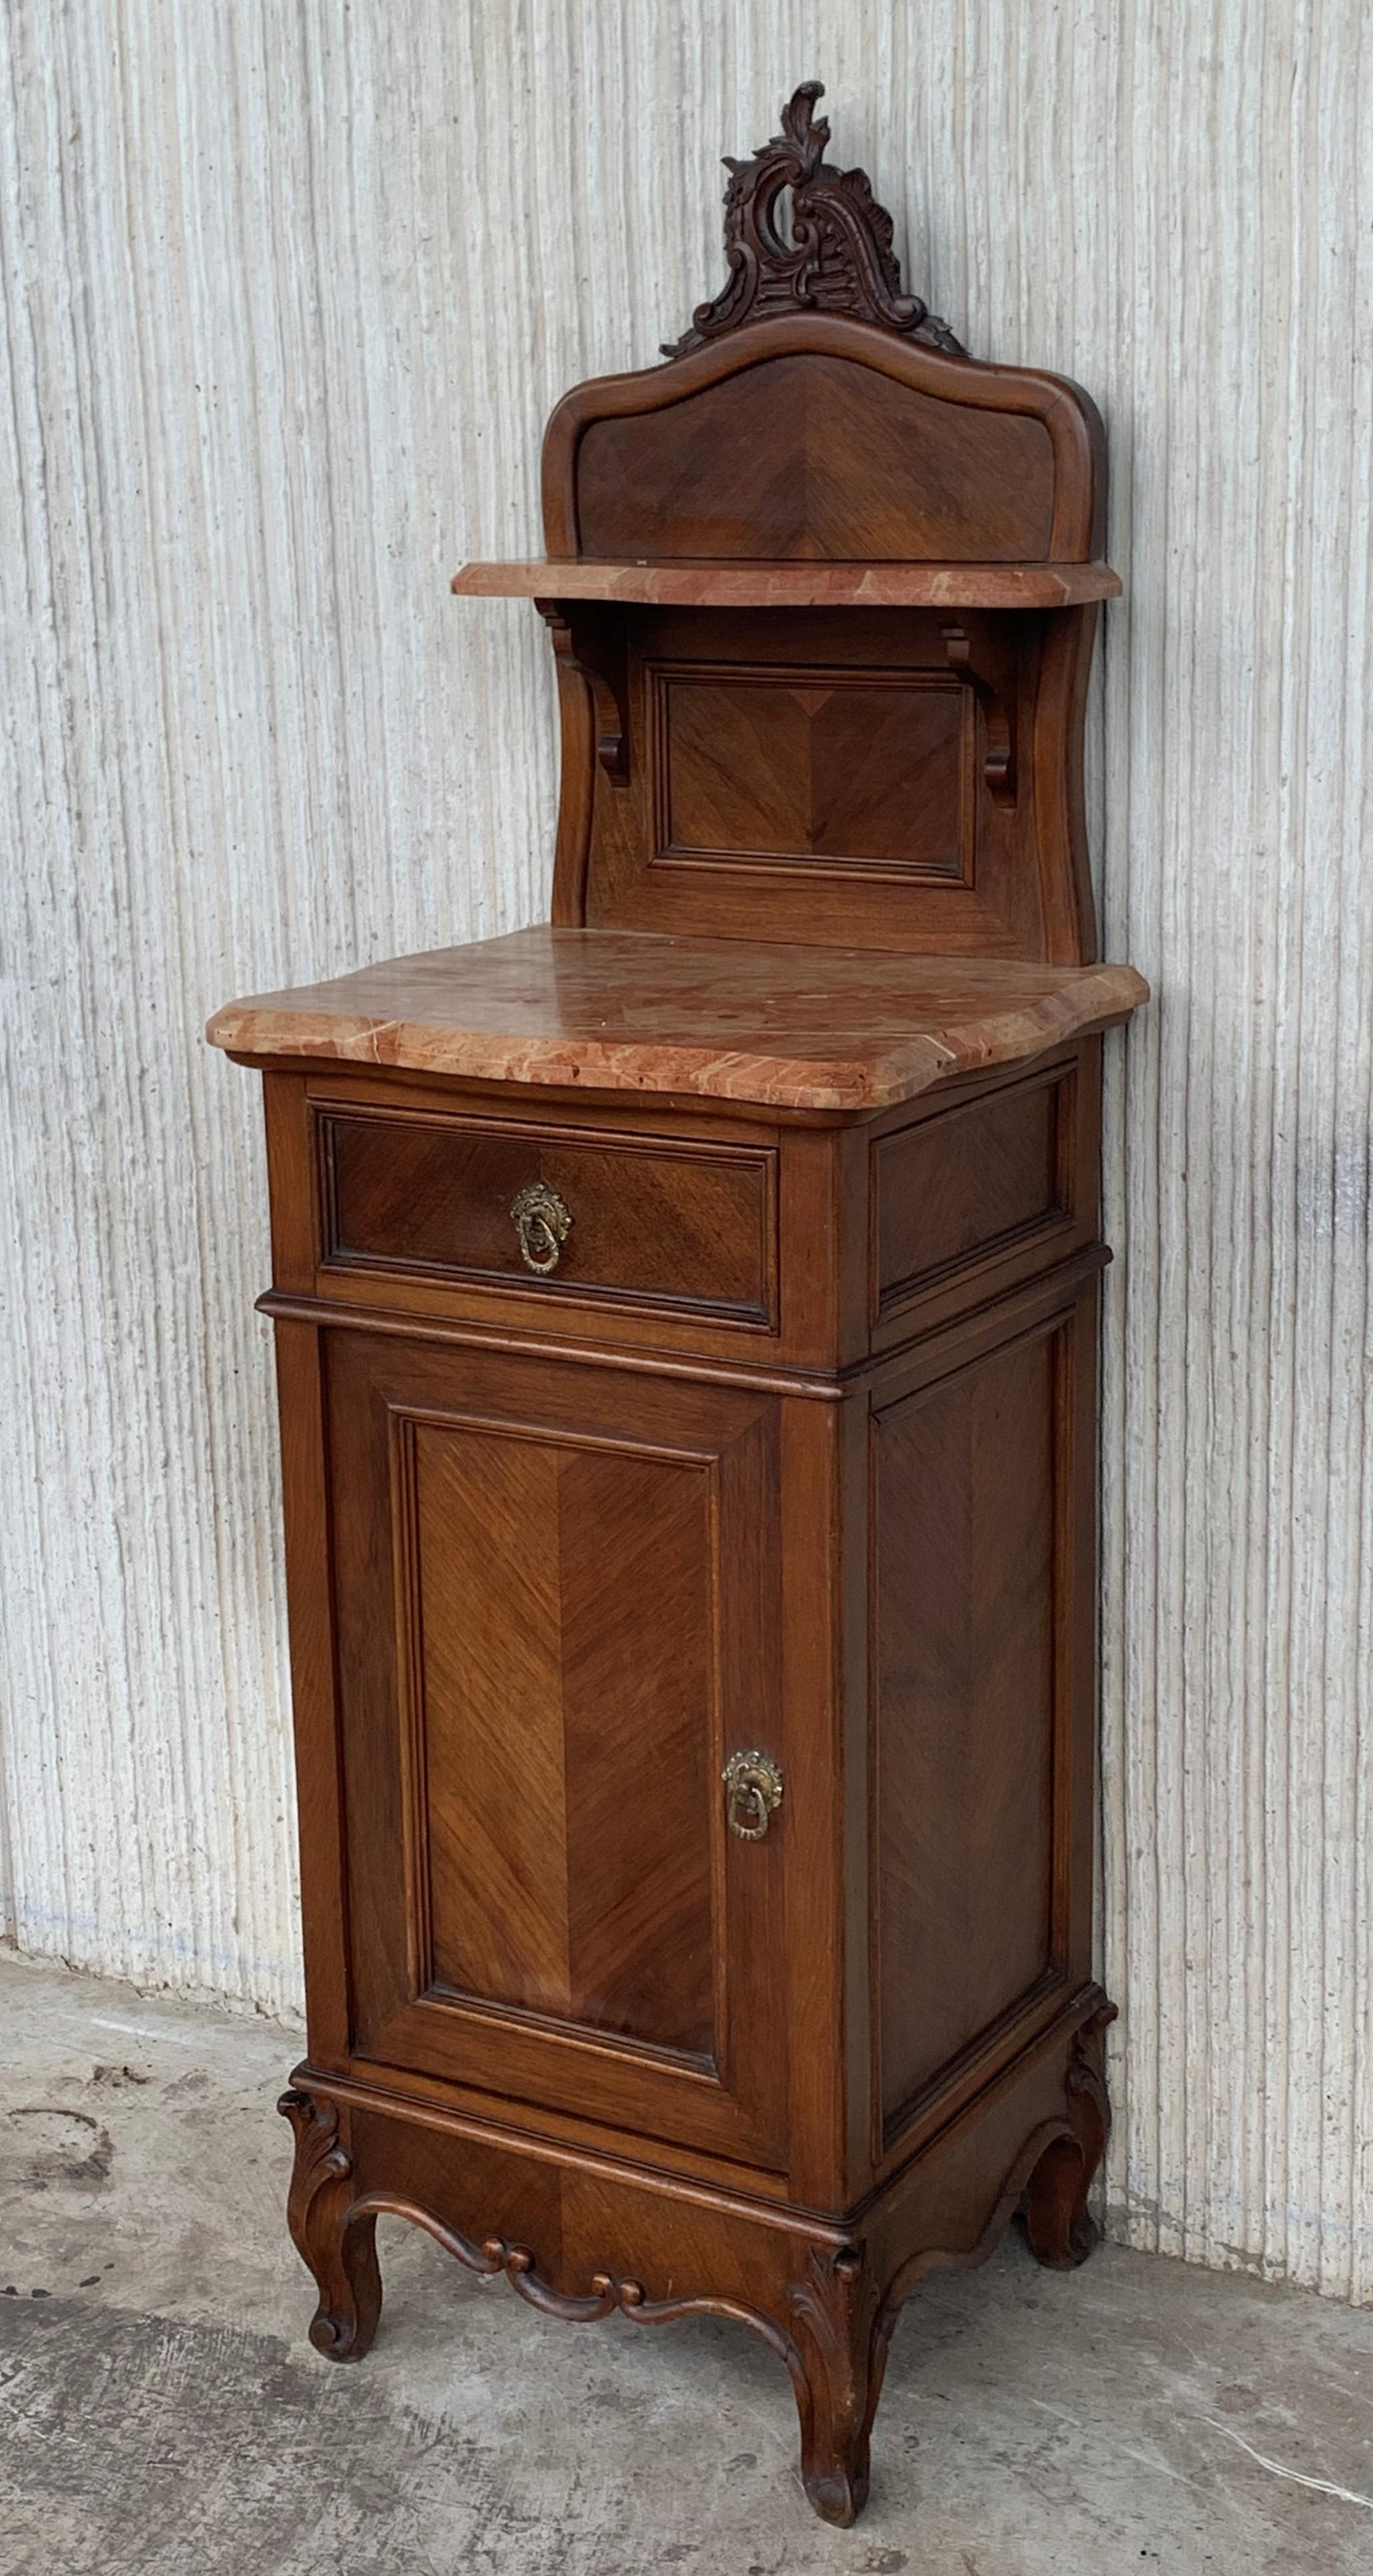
785 583
1097 996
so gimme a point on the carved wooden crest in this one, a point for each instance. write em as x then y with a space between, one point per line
839 259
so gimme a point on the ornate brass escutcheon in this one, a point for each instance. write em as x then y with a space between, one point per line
753 1788
542 1220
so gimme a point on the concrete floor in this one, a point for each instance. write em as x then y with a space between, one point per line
161 2411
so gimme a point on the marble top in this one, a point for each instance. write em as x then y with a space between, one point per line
621 1010
784 582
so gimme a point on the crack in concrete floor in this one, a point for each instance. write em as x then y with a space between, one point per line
161 2411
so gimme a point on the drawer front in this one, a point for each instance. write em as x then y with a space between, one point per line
686 1227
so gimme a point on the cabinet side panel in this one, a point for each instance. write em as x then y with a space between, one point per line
963 1184
963 1484
314 1690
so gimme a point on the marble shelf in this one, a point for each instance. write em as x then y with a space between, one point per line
722 583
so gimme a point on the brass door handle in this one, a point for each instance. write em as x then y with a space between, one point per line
541 1221
753 1790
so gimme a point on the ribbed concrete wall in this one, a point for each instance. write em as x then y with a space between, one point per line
290 286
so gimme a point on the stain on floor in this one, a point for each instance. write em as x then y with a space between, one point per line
162 2414
58 2146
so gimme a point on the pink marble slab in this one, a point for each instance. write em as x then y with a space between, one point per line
788 584
621 1010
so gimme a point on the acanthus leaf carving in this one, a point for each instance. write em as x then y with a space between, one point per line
839 259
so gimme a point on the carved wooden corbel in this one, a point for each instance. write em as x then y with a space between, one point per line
594 651
994 694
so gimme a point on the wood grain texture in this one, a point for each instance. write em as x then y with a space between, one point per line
959 1186
963 1682
815 435
849 772
252 741
876 779
565 1683
686 1226
489 1641
835 461
557 1601
1041 428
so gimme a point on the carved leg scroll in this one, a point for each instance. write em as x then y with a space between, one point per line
342 2256
842 2350
1060 2229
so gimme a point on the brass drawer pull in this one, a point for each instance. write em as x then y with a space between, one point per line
542 1220
753 1789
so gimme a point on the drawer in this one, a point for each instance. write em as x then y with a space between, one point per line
688 1227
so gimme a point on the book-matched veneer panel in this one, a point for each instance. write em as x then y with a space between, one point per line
592 1625
804 767
716 1193
855 777
825 458
850 1237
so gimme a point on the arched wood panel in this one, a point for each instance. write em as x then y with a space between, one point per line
819 437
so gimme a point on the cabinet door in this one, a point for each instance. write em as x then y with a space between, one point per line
557 1614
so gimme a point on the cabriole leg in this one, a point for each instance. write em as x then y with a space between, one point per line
842 2355
1057 2221
341 2251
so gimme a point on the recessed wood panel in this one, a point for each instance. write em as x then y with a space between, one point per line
963 1495
958 1185
816 456
821 779
815 767
688 1228
557 1596
564 1685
